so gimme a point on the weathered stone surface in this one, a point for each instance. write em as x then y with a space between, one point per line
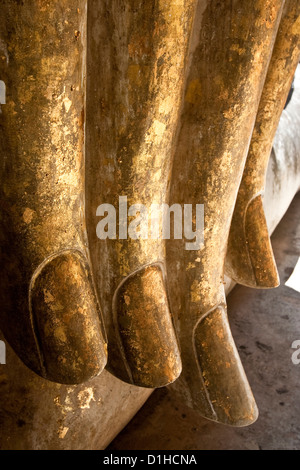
42 64
36 414
138 57
231 50
138 53
264 323
250 259
27 401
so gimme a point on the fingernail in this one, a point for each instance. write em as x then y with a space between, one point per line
224 379
259 246
145 329
66 320
250 259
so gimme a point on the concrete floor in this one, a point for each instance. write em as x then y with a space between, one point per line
264 324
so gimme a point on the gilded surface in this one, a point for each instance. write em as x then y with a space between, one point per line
139 56
250 259
42 184
169 105
232 49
